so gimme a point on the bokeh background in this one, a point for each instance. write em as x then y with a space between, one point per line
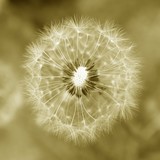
20 138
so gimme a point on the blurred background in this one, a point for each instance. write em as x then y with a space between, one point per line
21 138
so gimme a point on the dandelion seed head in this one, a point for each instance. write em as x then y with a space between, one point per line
82 77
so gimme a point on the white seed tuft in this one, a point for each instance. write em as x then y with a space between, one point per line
82 76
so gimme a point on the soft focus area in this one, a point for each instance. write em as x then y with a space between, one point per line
21 21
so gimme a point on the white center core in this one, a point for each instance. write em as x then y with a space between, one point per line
79 77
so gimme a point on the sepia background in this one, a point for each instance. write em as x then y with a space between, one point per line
20 138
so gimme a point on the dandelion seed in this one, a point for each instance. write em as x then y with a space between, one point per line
83 76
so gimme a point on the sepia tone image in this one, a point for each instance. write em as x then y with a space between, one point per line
79 80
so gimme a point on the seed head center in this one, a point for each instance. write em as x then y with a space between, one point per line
80 76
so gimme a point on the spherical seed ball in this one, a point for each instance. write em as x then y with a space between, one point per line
82 77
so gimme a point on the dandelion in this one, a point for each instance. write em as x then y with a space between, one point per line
82 77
